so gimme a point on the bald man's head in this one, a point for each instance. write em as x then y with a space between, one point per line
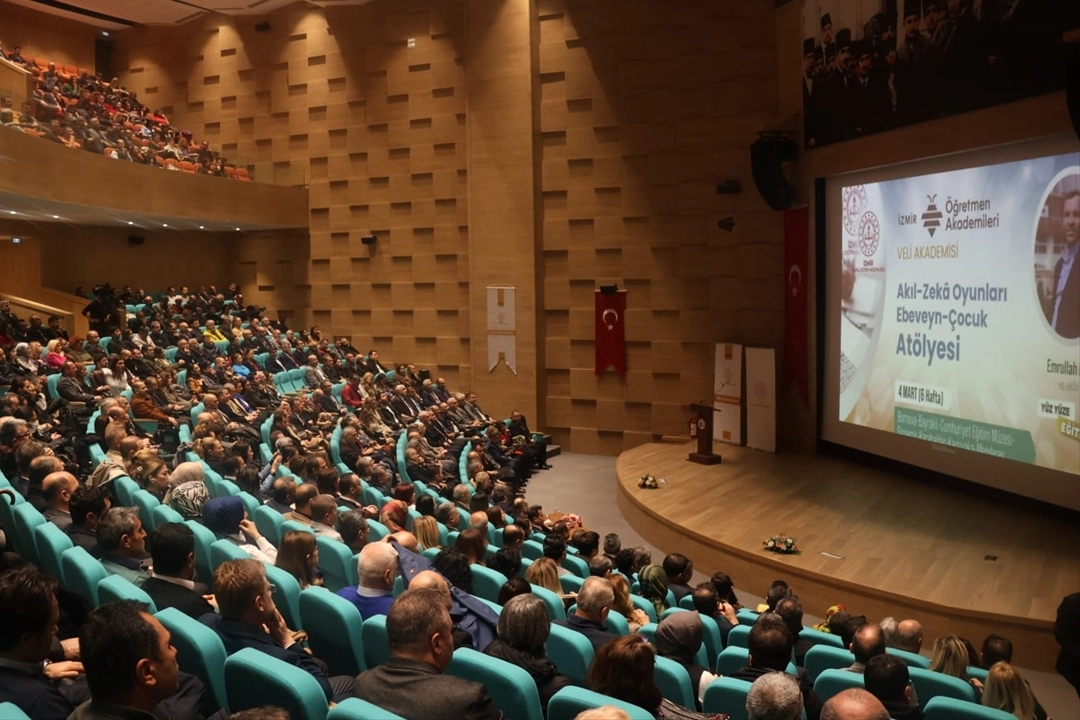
57 489
305 493
405 539
908 636
854 704
431 580
869 642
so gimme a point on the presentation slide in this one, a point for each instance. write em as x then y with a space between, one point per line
956 311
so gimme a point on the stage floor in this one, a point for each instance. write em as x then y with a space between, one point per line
905 548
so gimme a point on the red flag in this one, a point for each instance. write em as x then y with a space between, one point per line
610 331
796 301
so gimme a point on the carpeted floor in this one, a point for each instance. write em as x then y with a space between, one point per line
585 485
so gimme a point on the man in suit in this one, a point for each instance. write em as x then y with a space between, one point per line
770 651
87 506
143 406
1065 302
122 539
314 376
71 387
412 683
249 619
57 489
173 582
593 604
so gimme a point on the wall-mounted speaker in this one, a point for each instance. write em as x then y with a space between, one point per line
135 240
767 157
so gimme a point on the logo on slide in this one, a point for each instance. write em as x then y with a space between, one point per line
869 234
931 219
854 207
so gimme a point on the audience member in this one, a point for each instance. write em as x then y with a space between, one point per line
679 570
635 616
523 629
887 678
354 529
770 651
996 648
790 611
298 555
227 519
1007 690
324 514
654 587
88 504
512 588
678 637
122 540
377 567
173 585
908 636
869 642
412 683
57 489
593 604
708 602
774 696
854 704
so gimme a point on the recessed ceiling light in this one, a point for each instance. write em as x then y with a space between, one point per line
164 224
201 227
130 222
55 217
237 229
12 212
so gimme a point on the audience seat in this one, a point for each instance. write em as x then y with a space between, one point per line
125 488
946 708
821 638
732 658
739 636
646 606
269 522
146 503
571 652
512 689
929 685
82 573
226 488
674 682
727 695
26 519
224 550
288 526
52 543
8 711
335 630
486 582
823 657
832 682
746 617
286 595
376 642
568 702
571 583
357 709
532 550
250 503
199 651
164 514
556 607
576 565
912 660
253 679
376 530
616 623
203 540
973 673
337 563
711 640
114 588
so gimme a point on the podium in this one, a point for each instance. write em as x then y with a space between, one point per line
704 454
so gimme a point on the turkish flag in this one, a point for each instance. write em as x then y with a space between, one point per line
611 331
796 301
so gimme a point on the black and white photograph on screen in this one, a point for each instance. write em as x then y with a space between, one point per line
873 65
1057 257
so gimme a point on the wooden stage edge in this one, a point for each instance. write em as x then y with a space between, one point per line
719 515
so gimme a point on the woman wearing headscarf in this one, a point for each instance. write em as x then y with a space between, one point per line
187 493
225 517
653 582
678 637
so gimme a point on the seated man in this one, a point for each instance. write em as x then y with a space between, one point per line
324 514
122 540
770 651
593 604
908 636
790 611
377 567
282 495
57 489
679 570
354 529
555 548
249 619
887 678
774 696
707 602
996 648
854 704
88 504
301 513
172 549
412 683
869 642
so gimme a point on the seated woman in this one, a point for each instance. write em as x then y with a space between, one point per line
653 582
194 382
298 555
151 472
544 573
426 530
226 518
523 629
678 637
55 356
239 367
623 669
1007 690
394 516
635 616
951 657
188 493
472 543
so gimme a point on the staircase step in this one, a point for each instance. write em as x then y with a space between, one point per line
553 450
547 438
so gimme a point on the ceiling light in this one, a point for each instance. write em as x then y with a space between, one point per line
237 229
104 33
201 227
55 217
130 222
12 212
164 224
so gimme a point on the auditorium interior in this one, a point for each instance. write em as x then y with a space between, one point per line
396 176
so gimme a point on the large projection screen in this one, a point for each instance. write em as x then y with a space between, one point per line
952 316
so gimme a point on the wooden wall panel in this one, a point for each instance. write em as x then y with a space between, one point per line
643 108
51 38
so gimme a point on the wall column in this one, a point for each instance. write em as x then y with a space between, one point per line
502 194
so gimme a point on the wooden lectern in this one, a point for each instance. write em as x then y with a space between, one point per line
704 454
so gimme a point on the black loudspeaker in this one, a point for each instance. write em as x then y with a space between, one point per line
1072 89
136 240
262 27
767 157
369 239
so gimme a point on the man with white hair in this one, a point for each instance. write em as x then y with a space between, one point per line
854 704
593 604
774 696
378 568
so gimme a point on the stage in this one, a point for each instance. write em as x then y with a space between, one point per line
906 548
